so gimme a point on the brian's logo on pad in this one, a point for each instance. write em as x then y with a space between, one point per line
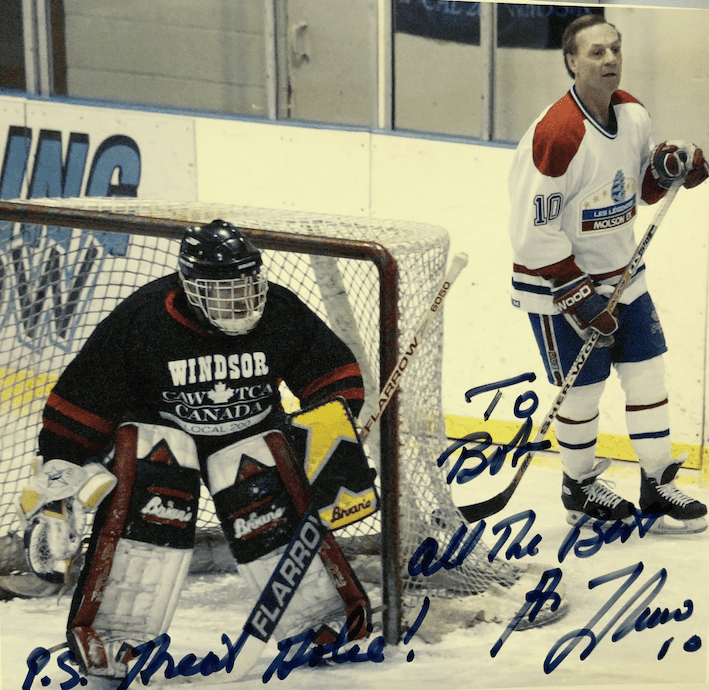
166 513
256 524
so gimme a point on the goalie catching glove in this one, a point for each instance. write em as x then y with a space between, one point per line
674 160
53 507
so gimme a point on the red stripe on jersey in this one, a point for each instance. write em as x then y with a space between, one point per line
78 414
610 274
347 371
59 430
557 137
564 271
561 272
180 318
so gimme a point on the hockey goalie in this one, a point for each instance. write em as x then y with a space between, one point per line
179 386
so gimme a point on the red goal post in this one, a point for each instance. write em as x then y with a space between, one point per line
65 264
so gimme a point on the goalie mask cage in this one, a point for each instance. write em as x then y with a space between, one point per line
65 264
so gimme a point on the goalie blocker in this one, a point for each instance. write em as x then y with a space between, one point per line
143 535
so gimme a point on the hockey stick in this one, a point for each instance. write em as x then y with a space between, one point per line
264 616
458 263
479 511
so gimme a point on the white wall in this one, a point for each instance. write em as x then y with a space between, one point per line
208 54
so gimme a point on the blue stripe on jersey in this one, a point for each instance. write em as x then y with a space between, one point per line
526 287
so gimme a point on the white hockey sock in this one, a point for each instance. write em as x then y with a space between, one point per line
576 429
577 441
647 412
649 430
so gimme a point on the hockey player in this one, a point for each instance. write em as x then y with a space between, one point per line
577 178
181 381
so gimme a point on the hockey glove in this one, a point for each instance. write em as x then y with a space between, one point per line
53 507
583 307
699 170
673 160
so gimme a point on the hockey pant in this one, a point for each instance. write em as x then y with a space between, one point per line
140 548
260 493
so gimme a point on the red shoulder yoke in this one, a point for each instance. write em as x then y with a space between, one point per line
557 137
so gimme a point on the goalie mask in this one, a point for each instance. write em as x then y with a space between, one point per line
223 276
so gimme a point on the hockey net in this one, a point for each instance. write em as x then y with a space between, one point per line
65 264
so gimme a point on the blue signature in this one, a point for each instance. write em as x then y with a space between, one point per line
425 561
605 532
520 443
640 618
157 648
189 665
305 655
37 662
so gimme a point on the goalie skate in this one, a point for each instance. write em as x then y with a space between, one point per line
677 513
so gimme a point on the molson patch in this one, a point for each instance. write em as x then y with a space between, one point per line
610 207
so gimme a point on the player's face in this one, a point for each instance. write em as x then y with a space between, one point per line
598 61
231 302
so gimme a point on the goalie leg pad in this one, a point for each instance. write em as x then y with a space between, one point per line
139 600
349 589
314 603
255 510
140 549
260 493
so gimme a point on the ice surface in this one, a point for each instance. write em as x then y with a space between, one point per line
214 605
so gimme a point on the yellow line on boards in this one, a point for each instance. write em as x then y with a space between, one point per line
612 446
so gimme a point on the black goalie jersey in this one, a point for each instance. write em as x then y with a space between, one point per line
152 361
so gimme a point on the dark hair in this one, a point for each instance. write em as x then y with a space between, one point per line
568 40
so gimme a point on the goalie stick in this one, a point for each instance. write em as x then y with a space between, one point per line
479 511
259 626
458 263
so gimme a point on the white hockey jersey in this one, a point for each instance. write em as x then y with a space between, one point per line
574 191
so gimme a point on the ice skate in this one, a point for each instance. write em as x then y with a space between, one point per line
594 498
678 513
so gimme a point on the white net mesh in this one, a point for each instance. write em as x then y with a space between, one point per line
57 283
